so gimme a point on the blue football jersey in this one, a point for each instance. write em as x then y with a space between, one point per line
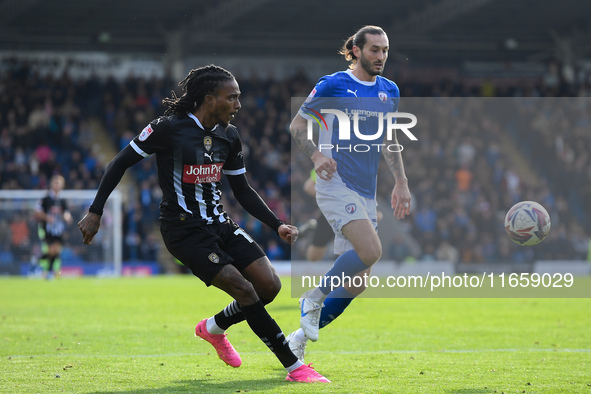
357 147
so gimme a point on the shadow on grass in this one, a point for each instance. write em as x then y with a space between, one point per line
293 307
272 384
472 391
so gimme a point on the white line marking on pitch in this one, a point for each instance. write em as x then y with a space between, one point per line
315 352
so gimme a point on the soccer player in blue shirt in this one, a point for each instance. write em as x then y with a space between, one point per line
347 172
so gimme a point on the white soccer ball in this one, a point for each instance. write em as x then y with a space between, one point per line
527 223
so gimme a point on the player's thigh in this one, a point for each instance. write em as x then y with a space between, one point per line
52 244
196 246
230 280
364 238
251 261
55 248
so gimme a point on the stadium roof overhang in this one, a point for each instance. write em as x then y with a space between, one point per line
437 32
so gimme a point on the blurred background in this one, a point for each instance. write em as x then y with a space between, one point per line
78 80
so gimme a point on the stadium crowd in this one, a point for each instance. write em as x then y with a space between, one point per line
463 178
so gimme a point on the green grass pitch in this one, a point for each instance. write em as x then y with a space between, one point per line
135 335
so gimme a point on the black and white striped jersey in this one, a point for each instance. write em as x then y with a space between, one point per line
191 161
54 207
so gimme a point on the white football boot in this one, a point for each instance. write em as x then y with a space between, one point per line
310 317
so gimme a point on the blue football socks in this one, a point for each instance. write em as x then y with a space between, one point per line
334 305
346 265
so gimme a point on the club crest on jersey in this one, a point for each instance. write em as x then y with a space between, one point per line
213 258
351 208
146 133
207 142
383 96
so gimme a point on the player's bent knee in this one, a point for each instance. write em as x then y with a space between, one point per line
244 293
270 289
276 287
233 283
370 256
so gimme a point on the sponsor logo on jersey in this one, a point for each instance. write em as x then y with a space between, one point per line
213 258
146 133
202 173
351 208
207 142
383 96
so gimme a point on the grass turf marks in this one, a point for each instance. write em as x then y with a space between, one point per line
136 335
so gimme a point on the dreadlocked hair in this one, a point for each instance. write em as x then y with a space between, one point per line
359 40
197 84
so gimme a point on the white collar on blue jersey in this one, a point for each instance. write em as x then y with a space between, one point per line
199 123
366 83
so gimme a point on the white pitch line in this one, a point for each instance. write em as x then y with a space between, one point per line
456 351
314 352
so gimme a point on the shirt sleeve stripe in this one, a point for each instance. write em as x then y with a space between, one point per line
137 149
304 114
234 172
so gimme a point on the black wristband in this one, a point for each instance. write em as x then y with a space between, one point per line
92 209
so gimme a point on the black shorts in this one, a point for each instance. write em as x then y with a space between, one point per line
51 239
206 248
323 232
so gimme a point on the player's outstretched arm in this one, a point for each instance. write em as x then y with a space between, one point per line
250 200
90 223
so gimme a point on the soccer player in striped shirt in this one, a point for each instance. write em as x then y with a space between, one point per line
195 145
52 213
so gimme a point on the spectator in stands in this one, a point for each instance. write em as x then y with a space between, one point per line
31 92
